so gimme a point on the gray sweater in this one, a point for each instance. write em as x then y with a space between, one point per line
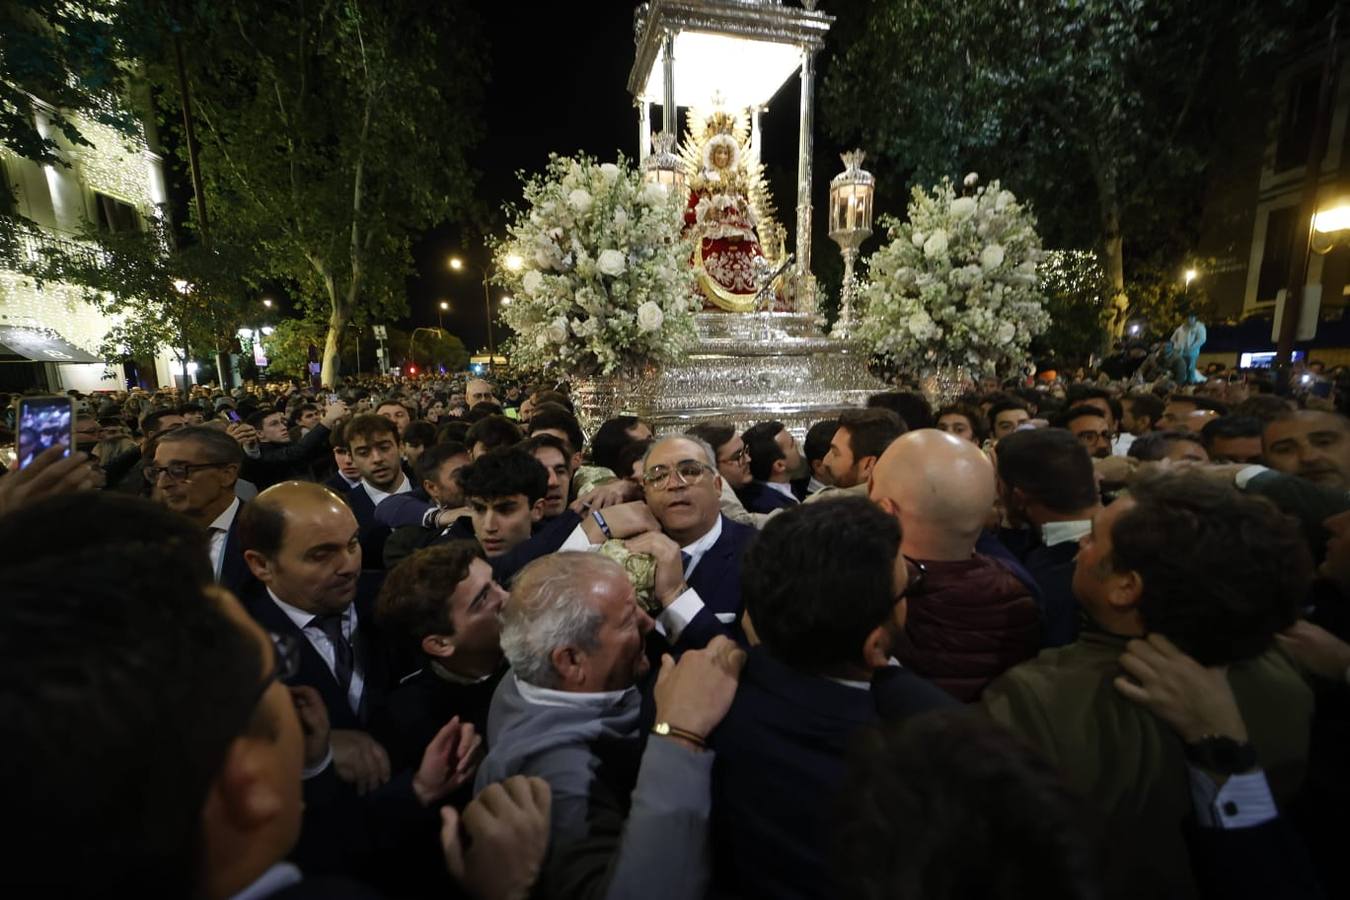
660 850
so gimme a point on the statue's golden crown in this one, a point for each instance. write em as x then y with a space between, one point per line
720 122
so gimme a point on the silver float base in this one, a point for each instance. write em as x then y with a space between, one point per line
745 368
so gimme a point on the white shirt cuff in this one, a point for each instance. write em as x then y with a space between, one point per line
675 617
1247 474
577 542
1244 801
310 771
252 451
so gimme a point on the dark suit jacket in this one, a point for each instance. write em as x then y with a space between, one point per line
758 497
780 760
234 571
372 534
717 579
315 672
281 462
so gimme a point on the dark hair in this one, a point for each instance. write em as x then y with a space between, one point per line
1001 407
1077 393
818 438
610 438
535 441
150 421
300 410
633 452
1146 406
481 410
504 473
124 688
1050 466
394 401
913 408
715 434
967 412
871 431
949 805
1064 419
555 397
454 430
435 456
1266 407
555 418
1222 571
1155 445
493 432
369 426
218 446
803 562
258 418
420 434
764 449
414 600
1231 426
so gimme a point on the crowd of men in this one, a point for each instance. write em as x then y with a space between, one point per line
431 639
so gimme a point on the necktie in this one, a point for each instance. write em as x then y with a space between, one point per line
685 560
331 626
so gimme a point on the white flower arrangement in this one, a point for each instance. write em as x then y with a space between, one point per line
606 283
956 286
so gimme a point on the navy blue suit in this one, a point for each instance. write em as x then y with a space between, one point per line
758 497
234 571
717 579
372 534
315 672
780 760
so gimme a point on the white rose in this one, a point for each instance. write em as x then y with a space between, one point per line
610 172
611 262
654 194
1006 332
532 282
650 317
936 245
963 207
991 257
580 200
918 238
557 330
971 179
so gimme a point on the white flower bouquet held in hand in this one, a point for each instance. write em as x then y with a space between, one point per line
955 288
603 282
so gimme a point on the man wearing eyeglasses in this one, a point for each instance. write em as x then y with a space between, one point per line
193 473
1090 427
697 549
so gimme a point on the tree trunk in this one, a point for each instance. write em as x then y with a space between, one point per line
332 346
1112 250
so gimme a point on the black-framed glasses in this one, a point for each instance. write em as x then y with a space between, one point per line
739 456
1091 437
918 573
178 471
686 471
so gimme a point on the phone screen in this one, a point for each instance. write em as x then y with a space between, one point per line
232 415
44 422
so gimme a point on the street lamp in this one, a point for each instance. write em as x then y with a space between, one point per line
664 166
267 302
851 194
513 262
1190 275
1330 227
444 307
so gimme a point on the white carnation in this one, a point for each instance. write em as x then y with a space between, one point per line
610 172
580 200
650 317
991 257
611 262
936 245
557 330
532 282
963 207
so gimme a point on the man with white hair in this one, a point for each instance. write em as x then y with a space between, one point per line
569 712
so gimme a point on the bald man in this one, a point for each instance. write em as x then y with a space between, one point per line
300 540
971 618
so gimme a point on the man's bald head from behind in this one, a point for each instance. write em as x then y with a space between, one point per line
940 487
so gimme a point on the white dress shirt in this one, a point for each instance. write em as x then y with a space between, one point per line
378 496
681 612
279 876
1053 533
220 535
1121 445
539 696
782 488
1243 802
324 647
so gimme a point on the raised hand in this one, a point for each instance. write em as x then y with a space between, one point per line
46 476
359 760
449 762
669 582
1316 649
695 693
1197 702
508 827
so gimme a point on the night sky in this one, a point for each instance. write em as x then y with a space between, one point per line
559 84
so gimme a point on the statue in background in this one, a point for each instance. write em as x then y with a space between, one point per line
739 244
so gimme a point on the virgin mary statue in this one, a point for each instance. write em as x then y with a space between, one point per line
728 210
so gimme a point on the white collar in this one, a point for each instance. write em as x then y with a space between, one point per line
702 546
378 496
539 696
279 876
862 685
815 485
301 617
226 518
780 487
1053 533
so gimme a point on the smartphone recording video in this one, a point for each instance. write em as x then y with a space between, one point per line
44 422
